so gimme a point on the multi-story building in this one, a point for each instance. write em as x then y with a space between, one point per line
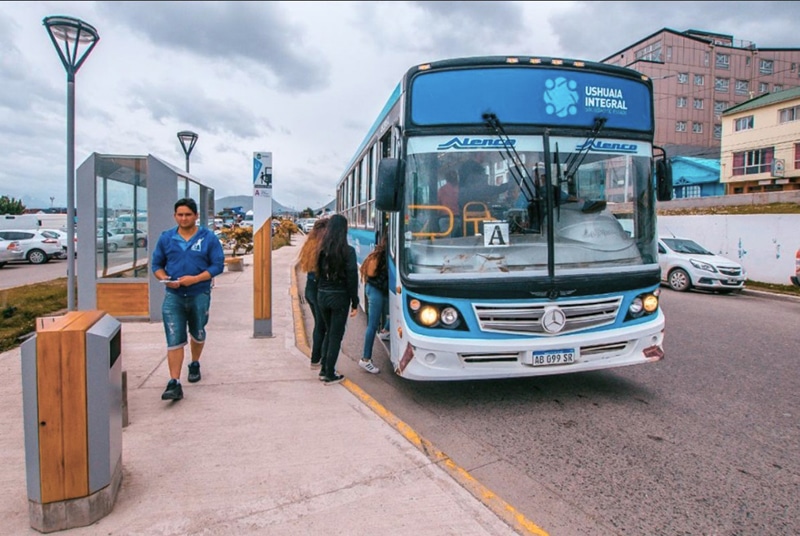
697 75
760 149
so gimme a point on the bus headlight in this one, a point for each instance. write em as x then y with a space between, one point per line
650 303
636 306
449 316
642 305
428 316
436 315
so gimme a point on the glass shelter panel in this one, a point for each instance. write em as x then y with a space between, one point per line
121 217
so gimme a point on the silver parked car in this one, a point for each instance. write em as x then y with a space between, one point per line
37 247
10 250
685 264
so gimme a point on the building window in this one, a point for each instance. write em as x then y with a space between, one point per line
776 88
720 106
683 78
721 85
697 128
763 87
691 191
743 123
669 53
747 61
717 132
752 162
742 87
794 67
797 156
706 55
680 102
787 115
698 104
723 61
699 80
680 126
651 52
766 66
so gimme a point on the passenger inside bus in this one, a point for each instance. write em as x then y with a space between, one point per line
476 195
447 196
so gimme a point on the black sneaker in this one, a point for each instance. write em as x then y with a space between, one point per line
194 371
337 378
174 391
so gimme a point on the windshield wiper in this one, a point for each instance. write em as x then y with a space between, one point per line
518 171
576 159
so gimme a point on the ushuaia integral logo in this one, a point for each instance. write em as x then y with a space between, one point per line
561 97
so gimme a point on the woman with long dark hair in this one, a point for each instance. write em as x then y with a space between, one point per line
337 290
308 263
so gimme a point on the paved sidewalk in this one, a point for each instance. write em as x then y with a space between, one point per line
259 446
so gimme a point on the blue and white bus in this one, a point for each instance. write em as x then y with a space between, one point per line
546 261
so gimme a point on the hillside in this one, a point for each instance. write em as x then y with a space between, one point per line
246 202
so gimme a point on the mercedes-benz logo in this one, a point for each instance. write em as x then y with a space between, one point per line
553 320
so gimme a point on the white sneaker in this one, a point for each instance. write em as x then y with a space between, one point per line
368 366
383 335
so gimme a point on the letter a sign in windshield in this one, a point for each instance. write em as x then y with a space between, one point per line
495 233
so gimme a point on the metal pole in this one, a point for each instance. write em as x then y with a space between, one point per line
71 192
187 162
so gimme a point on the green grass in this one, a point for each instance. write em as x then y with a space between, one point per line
21 306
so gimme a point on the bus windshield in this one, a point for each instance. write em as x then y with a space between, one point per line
480 212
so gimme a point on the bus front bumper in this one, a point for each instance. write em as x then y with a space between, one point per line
434 359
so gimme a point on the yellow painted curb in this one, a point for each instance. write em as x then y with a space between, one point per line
497 505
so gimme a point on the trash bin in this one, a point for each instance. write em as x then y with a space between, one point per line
72 412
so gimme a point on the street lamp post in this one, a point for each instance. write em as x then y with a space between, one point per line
68 35
188 139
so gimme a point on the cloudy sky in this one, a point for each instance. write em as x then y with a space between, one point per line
304 80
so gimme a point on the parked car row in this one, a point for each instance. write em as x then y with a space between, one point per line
36 247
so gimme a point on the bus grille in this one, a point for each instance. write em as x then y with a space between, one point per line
527 319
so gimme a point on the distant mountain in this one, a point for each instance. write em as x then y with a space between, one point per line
246 202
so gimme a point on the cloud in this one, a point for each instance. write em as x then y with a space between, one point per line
304 80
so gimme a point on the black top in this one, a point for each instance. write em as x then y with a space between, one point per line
347 282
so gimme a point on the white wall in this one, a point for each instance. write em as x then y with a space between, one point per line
765 244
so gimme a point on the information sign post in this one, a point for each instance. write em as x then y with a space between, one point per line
262 244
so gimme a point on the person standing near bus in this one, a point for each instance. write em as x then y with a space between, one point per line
376 279
186 258
308 263
337 289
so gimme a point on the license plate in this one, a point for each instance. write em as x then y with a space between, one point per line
732 282
546 358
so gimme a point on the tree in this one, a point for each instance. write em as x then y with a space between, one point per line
9 205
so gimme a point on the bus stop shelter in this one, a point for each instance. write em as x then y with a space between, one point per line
123 204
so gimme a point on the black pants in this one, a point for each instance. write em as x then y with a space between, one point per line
319 325
333 307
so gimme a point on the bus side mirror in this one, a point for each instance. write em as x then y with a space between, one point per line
663 180
389 190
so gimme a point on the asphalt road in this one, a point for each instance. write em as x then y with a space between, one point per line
703 442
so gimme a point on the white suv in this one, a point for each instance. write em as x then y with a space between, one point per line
685 264
37 247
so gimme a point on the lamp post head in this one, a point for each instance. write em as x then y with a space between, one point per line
188 139
68 35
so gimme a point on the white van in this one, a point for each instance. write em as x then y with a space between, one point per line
19 221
